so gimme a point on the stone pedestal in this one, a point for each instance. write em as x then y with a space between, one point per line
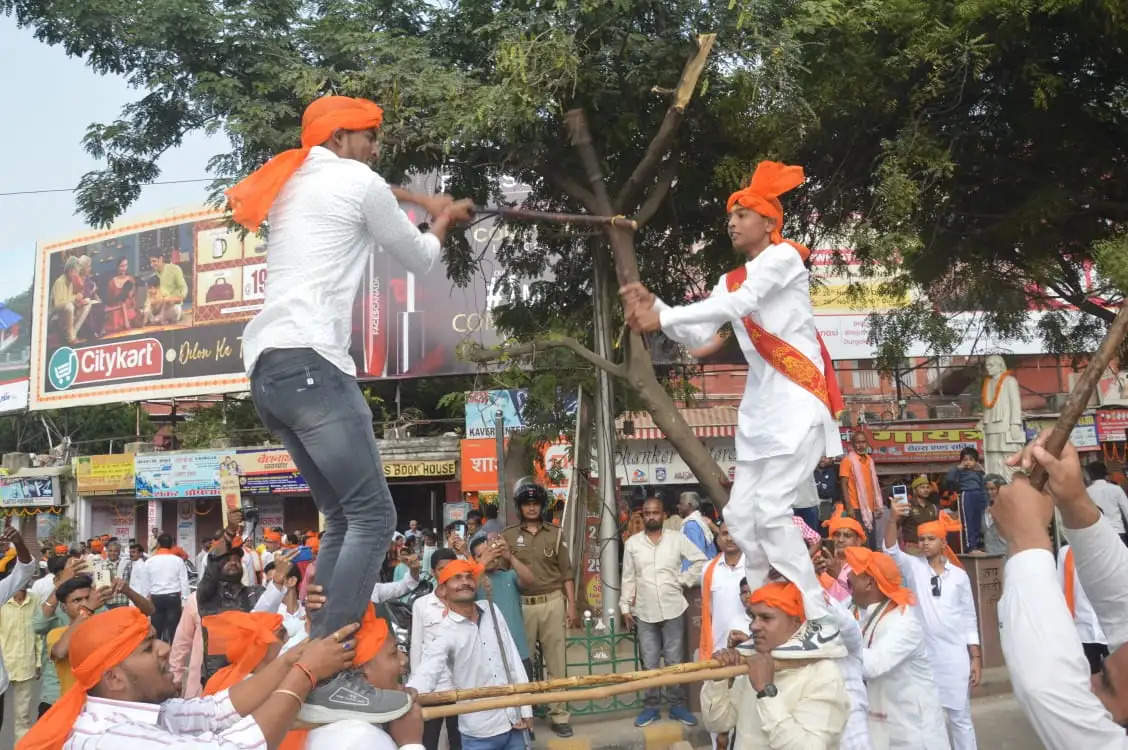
986 574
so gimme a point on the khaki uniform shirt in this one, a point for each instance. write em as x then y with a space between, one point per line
550 567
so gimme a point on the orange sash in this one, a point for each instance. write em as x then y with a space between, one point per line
789 361
1069 593
706 644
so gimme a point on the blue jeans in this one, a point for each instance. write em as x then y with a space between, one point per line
320 415
972 505
658 641
511 740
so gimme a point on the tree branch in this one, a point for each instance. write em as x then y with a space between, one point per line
658 193
479 354
571 188
644 171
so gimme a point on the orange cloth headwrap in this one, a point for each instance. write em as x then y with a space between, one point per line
60 549
370 637
271 535
884 572
96 545
96 646
251 199
783 596
842 521
461 566
243 637
770 180
940 528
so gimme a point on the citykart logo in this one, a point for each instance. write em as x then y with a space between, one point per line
105 362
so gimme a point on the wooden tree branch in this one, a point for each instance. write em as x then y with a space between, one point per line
658 193
475 352
571 188
521 214
644 171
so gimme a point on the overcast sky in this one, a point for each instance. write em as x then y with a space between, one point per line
50 105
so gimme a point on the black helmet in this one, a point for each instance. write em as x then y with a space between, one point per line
527 490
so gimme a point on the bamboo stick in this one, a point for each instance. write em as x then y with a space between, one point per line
561 683
1082 392
588 694
520 214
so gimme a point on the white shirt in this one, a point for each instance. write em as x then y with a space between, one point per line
167 574
1048 669
949 621
250 569
1088 627
323 226
904 705
472 652
353 735
427 613
808 713
43 587
725 608
1100 559
652 577
386 592
855 735
192 724
139 577
775 413
16 580
1112 501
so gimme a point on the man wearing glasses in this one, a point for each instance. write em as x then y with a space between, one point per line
947 610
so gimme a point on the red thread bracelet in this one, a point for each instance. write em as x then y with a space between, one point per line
307 673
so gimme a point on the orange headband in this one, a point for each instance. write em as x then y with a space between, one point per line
96 646
783 596
770 180
884 572
842 521
60 549
461 566
940 528
252 198
271 536
370 638
243 637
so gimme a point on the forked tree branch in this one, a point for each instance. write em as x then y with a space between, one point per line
479 354
658 193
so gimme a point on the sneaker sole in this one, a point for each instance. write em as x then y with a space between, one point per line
645 723
836 652
313 714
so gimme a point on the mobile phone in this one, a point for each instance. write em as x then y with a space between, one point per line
900 493
305 554
102 577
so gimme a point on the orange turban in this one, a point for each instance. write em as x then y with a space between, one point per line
60 549
251 199
271 535
461 566
884 572
783 596
243 637
770 180
96 646
842 521
940 528
370 638
96 545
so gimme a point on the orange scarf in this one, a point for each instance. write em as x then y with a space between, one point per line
884 572
990 403
243 638
252 198
1070 592
866 486
940 528
97 645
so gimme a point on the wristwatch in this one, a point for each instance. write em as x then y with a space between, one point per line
769 691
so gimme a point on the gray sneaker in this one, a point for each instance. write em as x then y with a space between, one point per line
349 696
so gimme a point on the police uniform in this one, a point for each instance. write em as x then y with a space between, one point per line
543 605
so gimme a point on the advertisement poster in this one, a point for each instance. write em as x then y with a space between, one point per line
1083 437
268 471
482 408
478 458
186 525
921 443
1112 425
592 587
179 473
104 475
637 462
29 491
15 337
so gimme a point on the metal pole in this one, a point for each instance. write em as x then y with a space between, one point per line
499 437
605 445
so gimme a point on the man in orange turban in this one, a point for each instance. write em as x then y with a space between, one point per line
328 212
788 416
947 608
904 704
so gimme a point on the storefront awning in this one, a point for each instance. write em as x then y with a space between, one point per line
710 422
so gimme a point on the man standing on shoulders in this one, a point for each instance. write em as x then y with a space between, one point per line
800 708
860 485
548 606
1109 498
947 609
694 525
653 602
168 587
904 705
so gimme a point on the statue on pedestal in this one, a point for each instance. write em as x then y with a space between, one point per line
1001 422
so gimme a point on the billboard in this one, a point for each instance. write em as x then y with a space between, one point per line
909 442
15 338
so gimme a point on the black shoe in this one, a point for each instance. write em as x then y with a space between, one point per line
563 730
349 696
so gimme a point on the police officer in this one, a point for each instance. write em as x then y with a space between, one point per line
549 606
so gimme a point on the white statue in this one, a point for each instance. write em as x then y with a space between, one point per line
1001 423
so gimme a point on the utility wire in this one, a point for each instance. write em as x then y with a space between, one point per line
71 190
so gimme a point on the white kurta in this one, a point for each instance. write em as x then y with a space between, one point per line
725 608
775 413
1048 669
1084 618
855 736
904 706
949 621
353 735
1101 559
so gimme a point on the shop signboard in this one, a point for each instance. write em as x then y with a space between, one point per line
921 442
478 457
104 475
179 473
482 408
268 471
419 469
1112 425
15 329
1083 437
29 491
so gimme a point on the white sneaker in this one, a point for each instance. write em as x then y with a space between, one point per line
816 639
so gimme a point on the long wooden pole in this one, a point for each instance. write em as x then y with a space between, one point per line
520 214
589 694
1079 397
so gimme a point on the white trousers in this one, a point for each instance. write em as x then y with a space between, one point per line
758 515
961 732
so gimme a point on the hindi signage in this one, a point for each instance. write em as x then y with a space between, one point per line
1083 437
104 475
921 442
1112 425
479 464
179 473
268 471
